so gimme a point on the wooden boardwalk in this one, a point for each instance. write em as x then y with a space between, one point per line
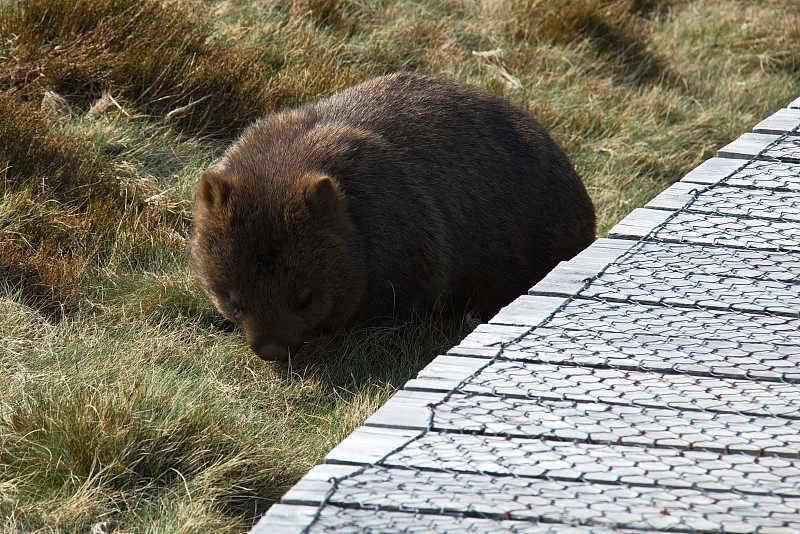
651 383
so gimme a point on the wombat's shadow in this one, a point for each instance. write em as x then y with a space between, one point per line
390 352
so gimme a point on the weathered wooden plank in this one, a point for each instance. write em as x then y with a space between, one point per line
703 342
711 262
728 200
659 338
730 231
445 372
756 173
660 353
285 519
752 145
487 339
588 422
368 445
527 311
684 274
570 276
406 409
312 488
638 224
794 103
620 425
566 502
597 463
728 293
524 379
747 146
709 229
289 519
713 170
783 120
758 281
675 197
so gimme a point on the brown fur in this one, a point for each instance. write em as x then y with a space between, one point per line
391 196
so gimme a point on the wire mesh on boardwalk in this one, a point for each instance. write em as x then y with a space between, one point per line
663 395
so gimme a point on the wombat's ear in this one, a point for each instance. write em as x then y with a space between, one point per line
322 194
213 188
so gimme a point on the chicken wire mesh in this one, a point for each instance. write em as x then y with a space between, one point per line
663 395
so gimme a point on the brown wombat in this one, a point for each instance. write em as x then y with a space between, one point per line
403 193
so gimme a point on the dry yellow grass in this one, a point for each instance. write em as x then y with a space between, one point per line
124 398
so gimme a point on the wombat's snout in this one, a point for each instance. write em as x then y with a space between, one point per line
269 347
272 352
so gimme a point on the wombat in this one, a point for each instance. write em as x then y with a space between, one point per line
404 193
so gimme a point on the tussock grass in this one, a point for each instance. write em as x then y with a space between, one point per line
72 208
158 55
57 164
125 443
155 428
125 399
55 196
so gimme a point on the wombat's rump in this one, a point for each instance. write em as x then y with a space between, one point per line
403 193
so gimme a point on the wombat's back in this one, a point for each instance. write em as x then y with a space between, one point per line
473 198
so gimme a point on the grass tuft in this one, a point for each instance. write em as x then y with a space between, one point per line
63 208
127 441
616 32
155 54
57 165
126 402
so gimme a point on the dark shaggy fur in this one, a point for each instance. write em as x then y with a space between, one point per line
399 194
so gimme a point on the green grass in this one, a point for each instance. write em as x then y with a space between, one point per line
124 397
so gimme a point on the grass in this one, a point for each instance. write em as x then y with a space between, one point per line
125 400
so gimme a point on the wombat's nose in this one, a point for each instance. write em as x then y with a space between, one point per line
272 352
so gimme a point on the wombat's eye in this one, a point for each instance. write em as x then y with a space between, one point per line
305 299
